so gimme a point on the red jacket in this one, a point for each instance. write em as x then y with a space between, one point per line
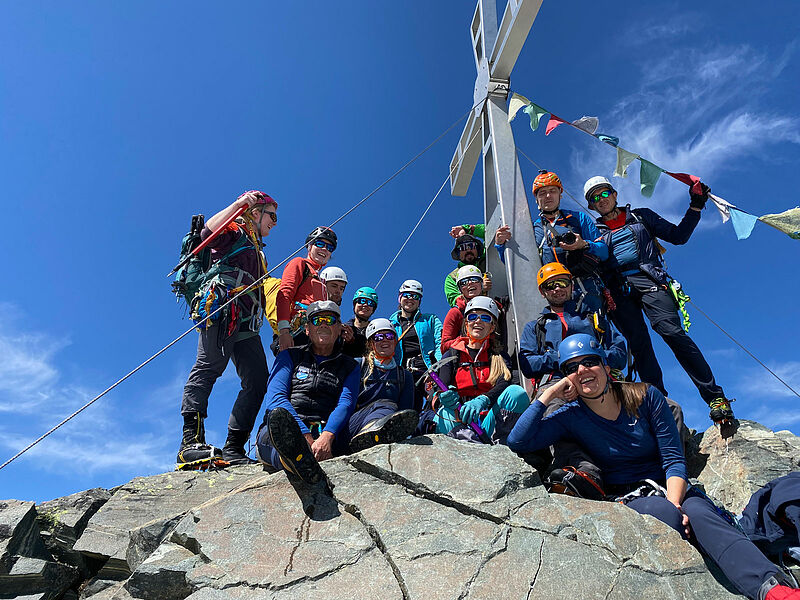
471 378
300 282
453 322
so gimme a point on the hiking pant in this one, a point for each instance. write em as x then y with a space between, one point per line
266 452
569 453
513 399
738 558
371 412
659 306
251 366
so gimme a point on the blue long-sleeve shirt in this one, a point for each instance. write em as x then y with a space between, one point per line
627 449
279 391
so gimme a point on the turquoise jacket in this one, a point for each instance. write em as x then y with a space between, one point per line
429 331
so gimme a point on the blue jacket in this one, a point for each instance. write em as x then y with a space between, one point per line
429 331
759 518
646 225
389 385
538 354
576 222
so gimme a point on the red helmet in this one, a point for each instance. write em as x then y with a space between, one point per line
544 179
261 197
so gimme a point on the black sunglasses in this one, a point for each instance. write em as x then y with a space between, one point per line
588 362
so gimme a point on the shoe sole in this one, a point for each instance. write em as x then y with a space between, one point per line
398 427
287 439
203 464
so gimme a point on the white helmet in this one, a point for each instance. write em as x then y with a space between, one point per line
377 325
411 285
321 306
466 272
483 303
593 183
333 274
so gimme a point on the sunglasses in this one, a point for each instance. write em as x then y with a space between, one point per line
366 301
471 317
558 283
326 245
272 215
601 195
468 280
467 246
412 295
318 320
385 335
588 362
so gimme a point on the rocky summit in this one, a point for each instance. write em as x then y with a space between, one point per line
431 518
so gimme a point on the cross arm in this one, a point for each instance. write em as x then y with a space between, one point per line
514 28
465 158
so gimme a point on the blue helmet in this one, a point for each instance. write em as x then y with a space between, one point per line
366 292
579 344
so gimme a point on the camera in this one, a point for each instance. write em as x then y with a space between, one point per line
566 238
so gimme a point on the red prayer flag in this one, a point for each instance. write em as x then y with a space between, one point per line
553 123
691 180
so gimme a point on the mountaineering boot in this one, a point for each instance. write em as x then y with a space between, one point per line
572 482
194 453
233 450
392 428
722 415
295 454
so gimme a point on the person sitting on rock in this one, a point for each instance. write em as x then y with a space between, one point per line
481 400
310 399
365 303
384 408
629 431
335 280
470 283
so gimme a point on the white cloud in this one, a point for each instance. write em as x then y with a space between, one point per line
760 383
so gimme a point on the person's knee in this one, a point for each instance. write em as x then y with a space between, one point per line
514 399
698 508
660 508
668 329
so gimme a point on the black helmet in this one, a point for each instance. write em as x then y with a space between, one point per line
322 233
467 238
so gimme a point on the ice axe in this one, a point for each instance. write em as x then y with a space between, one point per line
431 372
239 212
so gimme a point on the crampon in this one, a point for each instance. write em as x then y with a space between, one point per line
722 416
204 464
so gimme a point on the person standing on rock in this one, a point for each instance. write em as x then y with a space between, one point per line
238 261
310 399
639 284
629 431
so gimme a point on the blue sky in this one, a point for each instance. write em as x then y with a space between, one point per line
117 125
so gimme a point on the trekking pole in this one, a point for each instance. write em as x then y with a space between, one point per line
239 212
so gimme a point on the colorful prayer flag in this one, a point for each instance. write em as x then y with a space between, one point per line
691 180
788 222
535 112
743 223
624 158
723 206
608 139
553 123
648 177
517 101
587 124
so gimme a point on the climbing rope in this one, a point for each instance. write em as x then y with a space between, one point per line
253 285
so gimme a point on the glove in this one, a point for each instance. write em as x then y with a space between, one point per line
699 200
471 411
449 399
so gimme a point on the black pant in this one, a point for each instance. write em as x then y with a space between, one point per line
657 303
251 366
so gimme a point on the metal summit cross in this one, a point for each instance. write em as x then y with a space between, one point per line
505 203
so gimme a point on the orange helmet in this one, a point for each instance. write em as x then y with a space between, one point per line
545 178
550 270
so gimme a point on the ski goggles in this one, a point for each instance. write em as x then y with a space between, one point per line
384 335
468 280
588 362
558 283
472 317
326 245
600 196
411 295
366 301
318 320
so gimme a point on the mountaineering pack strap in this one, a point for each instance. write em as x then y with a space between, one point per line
642 489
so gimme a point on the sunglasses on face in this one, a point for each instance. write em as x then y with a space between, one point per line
467 246
411 295
326 245
385 335
469 280
588 362
472 317
366 301
600 196
558 283
318 320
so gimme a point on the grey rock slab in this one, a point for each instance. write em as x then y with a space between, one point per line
95 586
163 575
151 500
19 534
732 470
36 575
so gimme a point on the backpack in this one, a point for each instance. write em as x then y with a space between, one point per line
271 287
